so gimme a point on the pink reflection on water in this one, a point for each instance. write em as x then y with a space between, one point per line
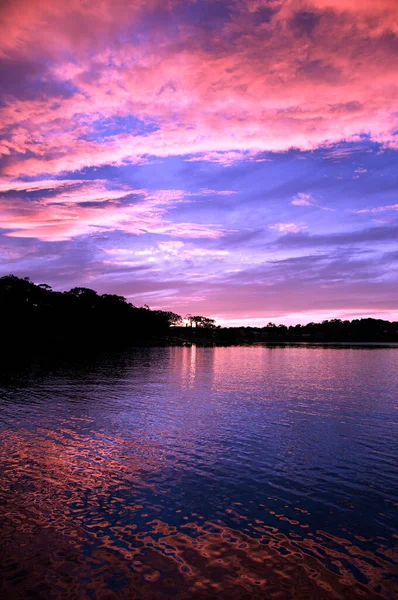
74 525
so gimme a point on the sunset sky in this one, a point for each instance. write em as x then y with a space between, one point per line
236 159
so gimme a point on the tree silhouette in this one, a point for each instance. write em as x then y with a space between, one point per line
200 321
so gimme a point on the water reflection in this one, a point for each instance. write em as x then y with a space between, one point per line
201 473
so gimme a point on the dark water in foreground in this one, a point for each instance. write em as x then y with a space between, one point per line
201 473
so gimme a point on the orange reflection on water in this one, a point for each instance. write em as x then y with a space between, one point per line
74 524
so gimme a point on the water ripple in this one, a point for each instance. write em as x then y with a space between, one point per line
201 473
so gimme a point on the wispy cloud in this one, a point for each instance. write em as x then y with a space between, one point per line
168 250
89 208
302 199
226 159
289 227
377 209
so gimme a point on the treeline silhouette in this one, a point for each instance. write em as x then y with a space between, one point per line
35 316
335 330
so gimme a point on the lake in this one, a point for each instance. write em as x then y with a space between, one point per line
240 472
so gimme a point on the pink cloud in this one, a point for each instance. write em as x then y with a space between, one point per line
358 6
10 185
67 213
276 86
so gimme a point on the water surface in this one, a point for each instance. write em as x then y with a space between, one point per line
246 472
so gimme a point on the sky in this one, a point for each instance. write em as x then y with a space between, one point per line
235 159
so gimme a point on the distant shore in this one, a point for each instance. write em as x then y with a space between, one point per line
38 320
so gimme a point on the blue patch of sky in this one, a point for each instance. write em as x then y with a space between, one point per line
203 14
338 178
58 90
346 177
265 189
105 128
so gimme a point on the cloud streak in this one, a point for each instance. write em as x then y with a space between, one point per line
377 209
89 208
303 199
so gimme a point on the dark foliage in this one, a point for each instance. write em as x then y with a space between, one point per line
335 330
34 315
